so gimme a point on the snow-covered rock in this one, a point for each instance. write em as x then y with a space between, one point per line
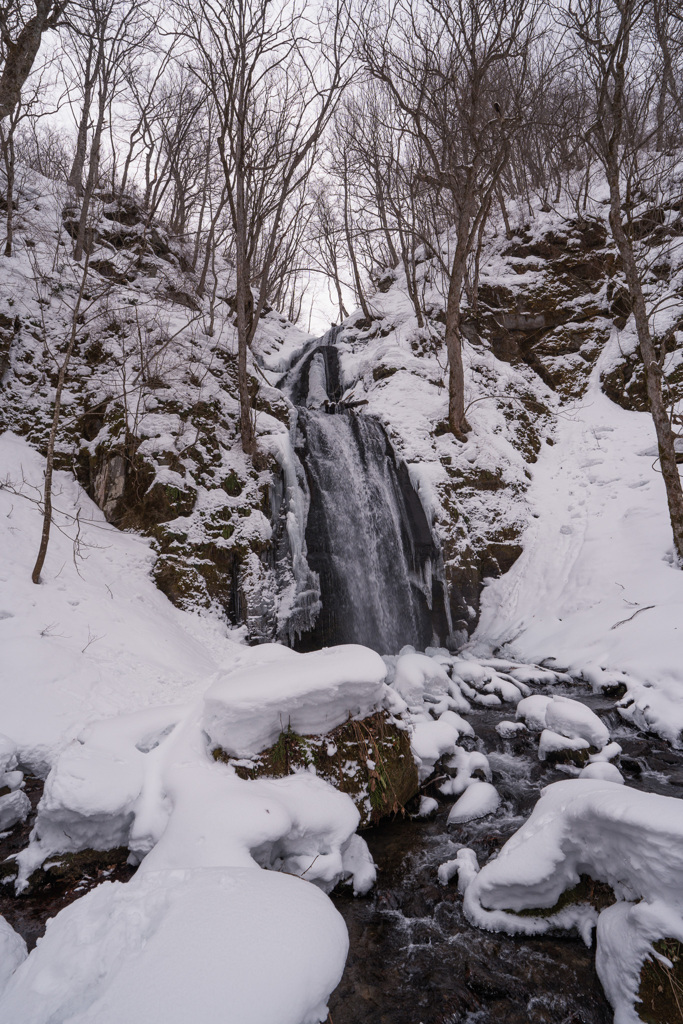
246 710
573 719
630 840
478 800
416 675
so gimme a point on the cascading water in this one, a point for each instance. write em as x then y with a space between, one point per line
367 535
375 575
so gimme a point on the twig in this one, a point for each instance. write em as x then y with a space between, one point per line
622 621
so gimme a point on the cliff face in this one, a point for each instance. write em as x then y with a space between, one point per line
150 427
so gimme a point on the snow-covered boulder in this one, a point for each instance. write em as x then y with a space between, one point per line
627 840
416 675
246 710
238 945
573 719
478 800
563 716
432 739
15 806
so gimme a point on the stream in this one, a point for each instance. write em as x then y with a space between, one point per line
415 959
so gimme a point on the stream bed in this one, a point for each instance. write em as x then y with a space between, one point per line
415 959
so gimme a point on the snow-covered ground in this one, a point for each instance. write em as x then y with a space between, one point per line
596 588
97 637
101 684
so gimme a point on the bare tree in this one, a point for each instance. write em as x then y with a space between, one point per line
22 26
274 78
458 69
104 35
622 130
62 359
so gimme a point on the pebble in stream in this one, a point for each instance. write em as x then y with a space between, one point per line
415 959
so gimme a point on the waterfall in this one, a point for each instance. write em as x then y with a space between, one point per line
364 538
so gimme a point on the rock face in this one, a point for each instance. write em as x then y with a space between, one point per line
370 759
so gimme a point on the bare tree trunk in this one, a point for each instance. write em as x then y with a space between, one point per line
352 249
653 369
8 157
456 376
22 52
49 466
75 180
243 294
93 170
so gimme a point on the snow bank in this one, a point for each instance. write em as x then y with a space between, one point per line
596 587
246 710
96 637
232 944
630 840
12 952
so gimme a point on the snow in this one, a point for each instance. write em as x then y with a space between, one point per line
478 800
96 637
630 840
464 865
431 739
12 952
509 729
602 770
596 588
553 743
233 944
573 719
532 711
428 807
246 710
416 674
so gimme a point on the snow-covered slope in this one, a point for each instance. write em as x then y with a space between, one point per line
596 587
96 637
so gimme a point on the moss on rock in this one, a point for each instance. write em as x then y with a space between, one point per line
370 759
661 987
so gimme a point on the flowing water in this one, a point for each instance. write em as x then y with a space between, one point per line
367 535
373 557
414 958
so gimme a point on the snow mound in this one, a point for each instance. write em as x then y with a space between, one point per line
431 739
417 674
573 719
602 770
237 945
561 719
630 840
246 710
478 800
